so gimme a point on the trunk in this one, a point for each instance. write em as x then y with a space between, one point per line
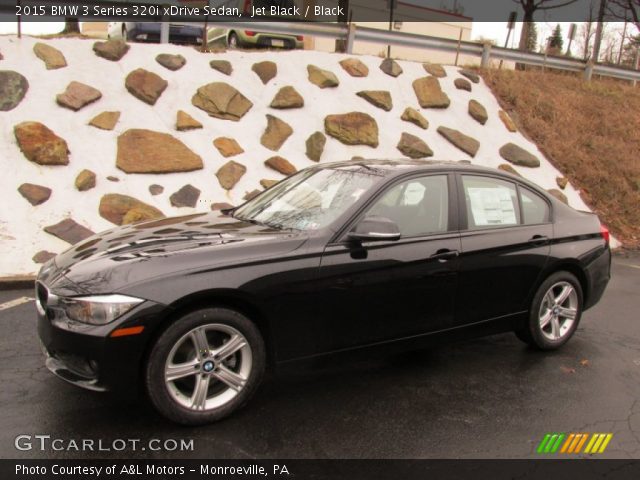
598 39
341 44
71 25
524 35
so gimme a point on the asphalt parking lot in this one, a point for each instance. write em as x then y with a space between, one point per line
487 398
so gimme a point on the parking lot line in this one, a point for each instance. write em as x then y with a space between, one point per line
15 302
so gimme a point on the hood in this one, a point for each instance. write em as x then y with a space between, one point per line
112 260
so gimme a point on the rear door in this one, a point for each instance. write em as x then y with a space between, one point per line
505 242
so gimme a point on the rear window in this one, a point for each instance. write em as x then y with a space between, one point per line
490 202
534 208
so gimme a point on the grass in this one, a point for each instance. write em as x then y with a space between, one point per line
590 131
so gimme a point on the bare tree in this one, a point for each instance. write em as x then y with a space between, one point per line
530 7
628 10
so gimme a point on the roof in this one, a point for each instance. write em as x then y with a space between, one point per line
388 166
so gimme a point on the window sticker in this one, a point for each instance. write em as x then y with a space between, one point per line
492 206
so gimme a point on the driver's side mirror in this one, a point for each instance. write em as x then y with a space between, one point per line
375 228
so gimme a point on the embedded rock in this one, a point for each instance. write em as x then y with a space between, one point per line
265 70
265 183
505 167
111 178
230 173
315 146
322 78
518 156
221 206
52 57
251 195
112 50
184 121
281 165
145 85
156 189
221 100
354 67
462 84
171 62
69 231
34 194
105 120
379 98
146 151
559 195
415 117
354 128
78 95
287 97
222 66
478 112
228 147
42 256
276 133
391 67
562 182
85 180
465 143
429 93
508 121
13 88
40 145
435 69
123 209
413 147
187 196
470 74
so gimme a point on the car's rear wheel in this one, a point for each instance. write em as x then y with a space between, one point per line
555 312
233 40
205 365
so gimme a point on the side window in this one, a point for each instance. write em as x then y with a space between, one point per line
419 206
490 202
534 208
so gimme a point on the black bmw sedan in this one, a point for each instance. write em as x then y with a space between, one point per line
339 257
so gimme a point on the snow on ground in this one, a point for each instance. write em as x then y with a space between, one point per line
21 224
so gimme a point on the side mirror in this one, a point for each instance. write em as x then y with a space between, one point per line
374 228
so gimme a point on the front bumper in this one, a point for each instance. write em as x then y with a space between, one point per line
86 355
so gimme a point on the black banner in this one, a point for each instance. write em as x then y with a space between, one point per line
319 469
310 10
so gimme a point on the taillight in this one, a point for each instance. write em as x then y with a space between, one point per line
604 231
299 38
249 33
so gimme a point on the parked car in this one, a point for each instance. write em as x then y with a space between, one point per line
149 32
338 257
237 38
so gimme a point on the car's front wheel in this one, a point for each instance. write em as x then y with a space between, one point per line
555 312
205 365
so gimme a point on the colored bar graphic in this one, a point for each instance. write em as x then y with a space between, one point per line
574 442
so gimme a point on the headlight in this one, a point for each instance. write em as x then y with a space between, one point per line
98 309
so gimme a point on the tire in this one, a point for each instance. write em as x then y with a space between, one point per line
191 379
555 312
233 41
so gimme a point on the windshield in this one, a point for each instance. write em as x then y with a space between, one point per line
310 200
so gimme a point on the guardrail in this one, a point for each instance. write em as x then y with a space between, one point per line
352 33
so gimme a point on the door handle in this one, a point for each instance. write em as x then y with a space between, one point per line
445 254
539 240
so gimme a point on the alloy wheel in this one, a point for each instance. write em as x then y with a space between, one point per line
558 310
208 366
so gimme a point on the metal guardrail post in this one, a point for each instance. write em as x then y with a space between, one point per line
636 64
486 55
351 37
588 71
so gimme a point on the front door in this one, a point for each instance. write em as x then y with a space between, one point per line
383 290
